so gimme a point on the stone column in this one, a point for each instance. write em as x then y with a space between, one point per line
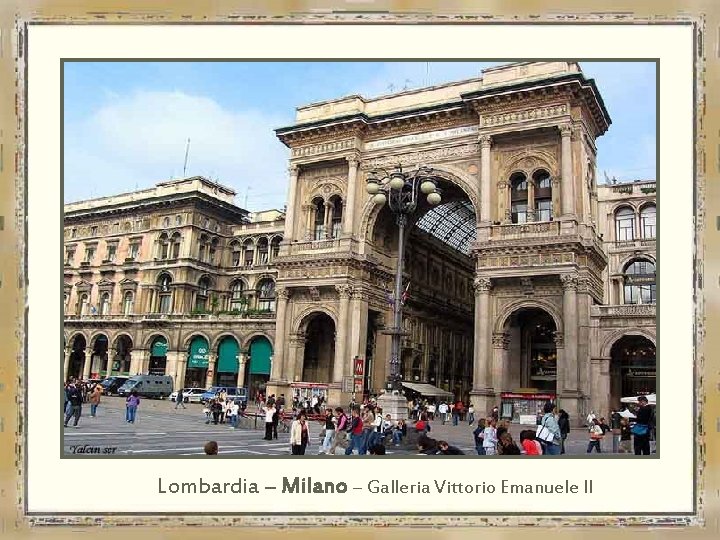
344 292
296 350
290 211
559 339
485 197
600 386
277 370
500 343
180 369
503 205
328 219
309 232
137 358
212 361
568 187
66 365
358 324
531 200
242 359
87 363
348 225
570 322
482 372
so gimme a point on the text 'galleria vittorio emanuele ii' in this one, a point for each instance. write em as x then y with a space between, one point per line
528 281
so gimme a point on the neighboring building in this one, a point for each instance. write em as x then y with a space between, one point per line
516 277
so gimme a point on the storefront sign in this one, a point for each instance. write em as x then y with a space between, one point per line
640 280
359 366
198 356
536 397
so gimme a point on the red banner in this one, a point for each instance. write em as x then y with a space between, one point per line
358 366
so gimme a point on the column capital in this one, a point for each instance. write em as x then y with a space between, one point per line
559 339
501 340
503 184
565 130
344 291
359 294
296 340
293 169
353 160
485 141
569 281
482 285
282 293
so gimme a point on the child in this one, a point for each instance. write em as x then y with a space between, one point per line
529 445
490 437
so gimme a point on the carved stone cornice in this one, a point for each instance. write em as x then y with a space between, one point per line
569 281
428 156
511 117
344 291
482 285
359 294
323 148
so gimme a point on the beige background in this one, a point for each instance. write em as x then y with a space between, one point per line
12 298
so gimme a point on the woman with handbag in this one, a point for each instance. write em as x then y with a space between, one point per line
596 435
548 432
641 429
299 435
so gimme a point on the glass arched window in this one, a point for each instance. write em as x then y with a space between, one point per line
249 253
518 198
83 304
128 303
647 221
235 254
319 219
163 245
262 248
202 248
175 246
337 216
266 295
166 223
212 250
164 293
237 296
105 304
178 220
639 282
543 196
274 247
201 299
625 225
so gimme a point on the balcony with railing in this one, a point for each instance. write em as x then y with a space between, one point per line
175 317
625 310
632 245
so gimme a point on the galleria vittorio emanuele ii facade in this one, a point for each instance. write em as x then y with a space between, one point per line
529 281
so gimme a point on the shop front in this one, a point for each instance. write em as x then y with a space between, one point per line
158 356
522 406
197 364
227 363
259 366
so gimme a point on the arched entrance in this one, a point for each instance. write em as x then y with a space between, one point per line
227 362
77 357
197 363
632 368
525 366
158 356
258 366
99 357
123 348
319 354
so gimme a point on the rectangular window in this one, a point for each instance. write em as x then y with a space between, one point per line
248 257
112 249
69 256
163 251
133 251
544 210
236 258
93 231
625 230
648 226
336 229
319 232
89 254
263 256
519 213
165 303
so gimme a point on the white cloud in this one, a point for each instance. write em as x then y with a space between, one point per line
144 135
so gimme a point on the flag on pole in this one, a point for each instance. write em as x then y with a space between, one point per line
405 294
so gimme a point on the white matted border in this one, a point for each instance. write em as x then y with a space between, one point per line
667 483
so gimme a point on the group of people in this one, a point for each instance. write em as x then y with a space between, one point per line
79 392
220 409
443 411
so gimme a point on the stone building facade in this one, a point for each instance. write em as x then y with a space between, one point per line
518 281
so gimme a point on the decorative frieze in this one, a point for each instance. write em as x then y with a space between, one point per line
415 158
540 113
501 340
569 281
420 138
323 148
344 291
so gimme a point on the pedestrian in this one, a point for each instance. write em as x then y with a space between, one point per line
596 435
329 432
564 425
376 434
641 430
442 411
427 445
215 410
131 405
207 412
506 445
399 432
549 422
269 411
478 435
490 437
625 437
228 409
603 425
180 399
471 414
211 448
95 400
299 435
275 420
233 414
341 425
447 450
495 414
431 411
530 446
368 421
458 410
74 406
356 430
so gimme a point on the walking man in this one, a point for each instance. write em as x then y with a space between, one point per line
95 400
74 409
180 399
641 429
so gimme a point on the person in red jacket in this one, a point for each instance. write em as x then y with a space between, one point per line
356 432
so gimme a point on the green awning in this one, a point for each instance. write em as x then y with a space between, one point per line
228 356
198 355
260 353
159 347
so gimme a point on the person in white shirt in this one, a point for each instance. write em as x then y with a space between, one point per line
431 411
443 410
233 414
269 411
490 437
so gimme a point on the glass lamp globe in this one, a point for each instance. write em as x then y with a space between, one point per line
427 187
397 182
380 198
372 188
434 198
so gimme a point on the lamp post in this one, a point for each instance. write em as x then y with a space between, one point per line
401 191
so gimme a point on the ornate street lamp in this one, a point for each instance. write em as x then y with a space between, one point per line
401 192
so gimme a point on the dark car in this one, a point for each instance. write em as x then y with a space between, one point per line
112 384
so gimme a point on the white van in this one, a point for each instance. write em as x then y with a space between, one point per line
152 386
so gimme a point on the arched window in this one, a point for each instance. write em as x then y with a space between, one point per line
237 296
624 225
639 280
83 304
249 253
543 196
337 215
647 221
175 243
319 223
178 220
163 245
164 293
262 248
202 248
266 295
166 223
213 250
128 303
105 304
274 248
201 299
235 252
518 198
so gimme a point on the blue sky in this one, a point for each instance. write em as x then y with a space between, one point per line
127 123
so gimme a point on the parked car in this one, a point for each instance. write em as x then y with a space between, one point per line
233 393
151 386
190 395
111 385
